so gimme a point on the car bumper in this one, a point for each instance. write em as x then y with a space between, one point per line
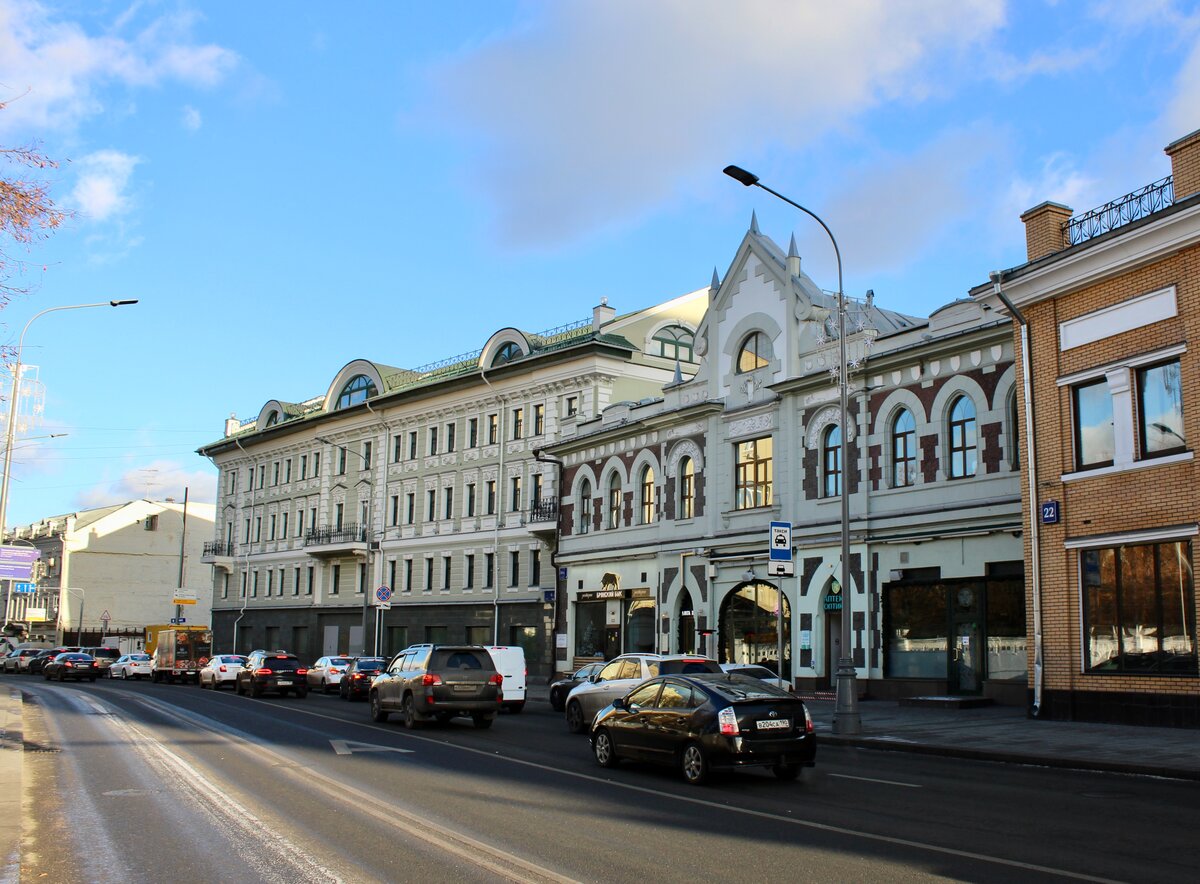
732 752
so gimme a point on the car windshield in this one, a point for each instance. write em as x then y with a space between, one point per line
139 658
754 671
370 664
740 687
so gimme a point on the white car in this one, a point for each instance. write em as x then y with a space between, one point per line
327 672
510 663
221 669
760 672
130 666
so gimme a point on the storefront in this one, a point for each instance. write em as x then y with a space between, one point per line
750 627
609 622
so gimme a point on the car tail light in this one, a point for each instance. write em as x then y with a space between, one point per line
223 669
496 679
263 671
430 678
808 725
302 672
68 664
727 719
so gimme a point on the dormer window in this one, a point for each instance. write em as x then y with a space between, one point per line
358 389
676 342
507 353
272 418
755 353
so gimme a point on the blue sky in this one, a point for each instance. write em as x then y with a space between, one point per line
288 187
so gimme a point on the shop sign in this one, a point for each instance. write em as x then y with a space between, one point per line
833 600
597 595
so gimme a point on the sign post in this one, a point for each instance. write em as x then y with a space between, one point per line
383 602
779 556
104 619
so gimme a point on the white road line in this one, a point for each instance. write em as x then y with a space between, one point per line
842 776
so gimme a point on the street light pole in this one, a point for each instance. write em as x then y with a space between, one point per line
846 717
366 586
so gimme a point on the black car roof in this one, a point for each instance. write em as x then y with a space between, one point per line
732 685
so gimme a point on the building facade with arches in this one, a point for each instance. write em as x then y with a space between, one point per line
666 502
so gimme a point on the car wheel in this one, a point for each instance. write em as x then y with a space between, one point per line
62 676
786 772
324 686
556 701
482 722
603 749
575 722
409 713
693 764
256 691
301 693
378 713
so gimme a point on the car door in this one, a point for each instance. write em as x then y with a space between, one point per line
630 727
628 677
388 687
668 724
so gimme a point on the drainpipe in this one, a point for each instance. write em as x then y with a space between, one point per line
560 610
246 594
1034 529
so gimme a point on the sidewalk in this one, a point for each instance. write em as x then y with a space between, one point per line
1005 733
11 746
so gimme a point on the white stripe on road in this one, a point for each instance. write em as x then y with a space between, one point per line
842 776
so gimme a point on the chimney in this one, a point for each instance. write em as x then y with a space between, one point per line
1185 164
232 425
602 314
1045 229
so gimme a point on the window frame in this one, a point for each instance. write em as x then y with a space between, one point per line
754 474
903 445
960 451
752 350
831 461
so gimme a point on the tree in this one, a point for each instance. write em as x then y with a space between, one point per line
27 213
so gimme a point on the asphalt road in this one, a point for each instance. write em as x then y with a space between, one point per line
140 782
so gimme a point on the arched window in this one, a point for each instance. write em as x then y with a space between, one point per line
272 418
831 460
904 449
358 389
585 507
507 352
647 488
676 342
687 488
755 353
614 501
962 438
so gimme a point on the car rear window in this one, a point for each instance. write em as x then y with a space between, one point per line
462 659
281 665
74 658
107 653
140 658
688 667
741 687
364 665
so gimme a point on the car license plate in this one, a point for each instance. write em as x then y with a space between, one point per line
464 689
774 724
284 684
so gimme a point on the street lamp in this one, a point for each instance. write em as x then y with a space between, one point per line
846 717
79 625
366 587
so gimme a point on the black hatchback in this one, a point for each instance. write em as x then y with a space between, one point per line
356 680
703 722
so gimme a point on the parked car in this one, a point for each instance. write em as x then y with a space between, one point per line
104 656
510 663
221 669
438 681
38 663
130 666
355 683
615 679
18 660
327 672
753 670
276 671
701 723
686 664
559 689
72 665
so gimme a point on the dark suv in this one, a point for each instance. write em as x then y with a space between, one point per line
272 671
440 682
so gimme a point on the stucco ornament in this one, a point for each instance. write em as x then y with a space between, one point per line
830 414
700 345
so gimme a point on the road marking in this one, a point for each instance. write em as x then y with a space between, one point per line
349 747
842 776
629 787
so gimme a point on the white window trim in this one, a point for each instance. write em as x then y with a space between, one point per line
1182 457
1117 319
1150 535
1133 362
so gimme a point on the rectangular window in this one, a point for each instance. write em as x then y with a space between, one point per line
287 470
518 419
250 479
412 445
514 568
585 509
433 440
299 523
316 464
366 455
296 581
446 572
430 504
572 407
283 525
408 575
469 571
335 580
246 533
535 567
392 574
310 580
429 573
1095 440
362 578
304 466
395 509
437 635
448 503
535 493
341 460
233 481
338 514
271 535
244 575
450 428
489 570
754 474
1138 609
270 582
473 432
225 586
514 494
410 506
687 489
479 635
257 528
539 419
275 473
312 518
490 492
254 586
493 428
470 501
397 448
1160 410
262 476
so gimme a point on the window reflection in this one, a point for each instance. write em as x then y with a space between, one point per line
1160 406
1095 442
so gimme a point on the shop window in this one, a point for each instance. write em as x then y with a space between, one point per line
589 628
919 631
526 638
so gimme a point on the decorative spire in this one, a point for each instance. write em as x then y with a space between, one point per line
678 372
753 222
716 280
793 252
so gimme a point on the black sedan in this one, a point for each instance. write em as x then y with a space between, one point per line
699 723
72 665
356 680
562 687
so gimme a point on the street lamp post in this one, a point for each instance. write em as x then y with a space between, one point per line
846 717
79 625
366 587
14 401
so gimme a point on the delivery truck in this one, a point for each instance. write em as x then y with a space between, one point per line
179 653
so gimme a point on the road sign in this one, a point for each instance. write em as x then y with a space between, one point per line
781 569
781 542
178 621
35 614
105 617
16 562
25 587
383 597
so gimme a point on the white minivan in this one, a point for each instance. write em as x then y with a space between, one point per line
510 662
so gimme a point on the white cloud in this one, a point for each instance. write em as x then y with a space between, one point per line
58 70
100 191
157 480
192 120
604 108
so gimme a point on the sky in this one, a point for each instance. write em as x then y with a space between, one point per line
287 187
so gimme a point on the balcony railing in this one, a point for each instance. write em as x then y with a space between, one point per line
544 510
1151 198
327 536
218 548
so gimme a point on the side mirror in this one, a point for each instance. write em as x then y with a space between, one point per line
594 679
619 703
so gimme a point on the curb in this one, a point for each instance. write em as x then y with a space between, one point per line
893 744
11 759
